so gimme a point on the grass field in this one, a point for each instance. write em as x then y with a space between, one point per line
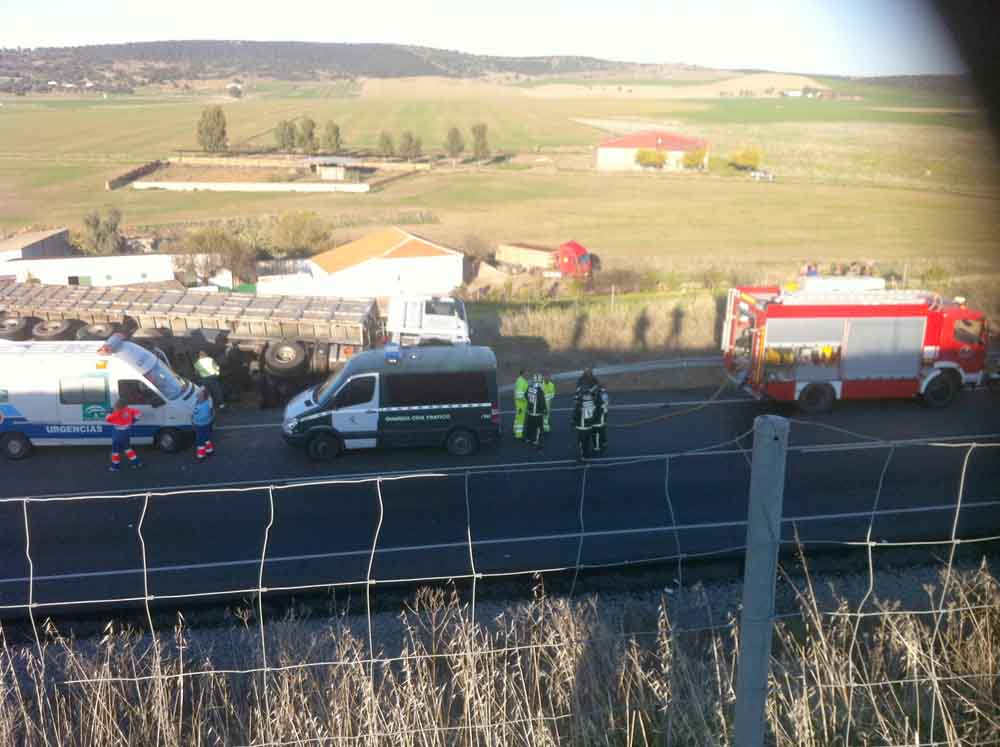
853 181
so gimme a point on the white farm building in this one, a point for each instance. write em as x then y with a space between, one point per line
619 154
386 263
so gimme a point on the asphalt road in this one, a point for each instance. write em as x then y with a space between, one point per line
521 509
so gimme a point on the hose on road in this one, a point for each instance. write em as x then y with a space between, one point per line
675 413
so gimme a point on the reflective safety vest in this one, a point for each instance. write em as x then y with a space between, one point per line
549 387
585 408
520 387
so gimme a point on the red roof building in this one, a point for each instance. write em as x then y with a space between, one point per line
619 154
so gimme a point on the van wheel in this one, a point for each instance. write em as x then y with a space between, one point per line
324 447
941 390
55 329
16 328
285 358
816 399
461 442
15 445
99 331
168 440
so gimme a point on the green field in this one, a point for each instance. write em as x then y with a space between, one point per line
853 181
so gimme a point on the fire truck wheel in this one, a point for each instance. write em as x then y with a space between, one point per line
100 331
816 399
285 358
16 327
61 329
941 390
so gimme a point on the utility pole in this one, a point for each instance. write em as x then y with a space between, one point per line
767 489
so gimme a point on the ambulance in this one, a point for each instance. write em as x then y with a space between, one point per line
59 393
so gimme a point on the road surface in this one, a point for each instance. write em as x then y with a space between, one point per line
521 510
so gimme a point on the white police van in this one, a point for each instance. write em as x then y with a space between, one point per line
58 393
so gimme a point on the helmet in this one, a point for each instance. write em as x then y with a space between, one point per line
536 378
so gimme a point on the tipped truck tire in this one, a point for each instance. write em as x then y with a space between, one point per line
99 331
324 447
15 446
941 390
285 359
461 442
55 329
817 399
16 328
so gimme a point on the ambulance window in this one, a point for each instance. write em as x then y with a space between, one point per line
355 392
87 391
969 331
136 393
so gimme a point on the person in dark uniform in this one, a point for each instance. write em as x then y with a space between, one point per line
584 411
600 427
535 411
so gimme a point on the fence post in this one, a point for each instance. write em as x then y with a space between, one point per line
767 489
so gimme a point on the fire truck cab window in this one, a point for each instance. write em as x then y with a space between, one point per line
969 331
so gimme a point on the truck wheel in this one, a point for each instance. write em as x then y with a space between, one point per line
461 442
99 331
324 447
816 399
15 446
941 390
285 358
55 329
16 327
168 440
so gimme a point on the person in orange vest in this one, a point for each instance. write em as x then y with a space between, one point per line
122 418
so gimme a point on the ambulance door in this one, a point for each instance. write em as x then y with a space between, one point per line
84 402
138 394
355 412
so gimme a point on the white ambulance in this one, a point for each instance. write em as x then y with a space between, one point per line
58 393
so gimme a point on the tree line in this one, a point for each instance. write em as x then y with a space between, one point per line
302 134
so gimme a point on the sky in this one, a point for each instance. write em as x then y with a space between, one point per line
840 37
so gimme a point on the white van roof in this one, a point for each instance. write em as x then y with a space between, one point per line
134 354
436 359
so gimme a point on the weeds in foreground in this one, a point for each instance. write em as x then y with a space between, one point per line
546 672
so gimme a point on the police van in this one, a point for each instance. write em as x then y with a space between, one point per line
59 393
409 396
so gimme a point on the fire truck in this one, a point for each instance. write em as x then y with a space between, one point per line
814 347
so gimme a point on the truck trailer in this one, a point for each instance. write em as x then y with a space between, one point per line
569 260
816 347
287 339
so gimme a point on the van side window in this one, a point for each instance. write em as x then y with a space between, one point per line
408 390
357 392
91 390
134 392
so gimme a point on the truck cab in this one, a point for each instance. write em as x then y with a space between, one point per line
416 320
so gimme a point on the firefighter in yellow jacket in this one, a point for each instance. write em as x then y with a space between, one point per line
520 403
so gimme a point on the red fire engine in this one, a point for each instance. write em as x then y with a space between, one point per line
817 346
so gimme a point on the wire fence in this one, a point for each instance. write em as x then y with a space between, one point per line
855 674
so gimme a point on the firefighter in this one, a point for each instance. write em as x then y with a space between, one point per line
201 418
535 411
520 406
586 379
600 427
208 371
584 407
122 418
549 388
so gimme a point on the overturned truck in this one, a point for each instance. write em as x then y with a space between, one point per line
282 341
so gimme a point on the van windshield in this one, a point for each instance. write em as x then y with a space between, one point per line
169 384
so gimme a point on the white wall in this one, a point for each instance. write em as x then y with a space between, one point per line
254 186
371 279
102 271
623 159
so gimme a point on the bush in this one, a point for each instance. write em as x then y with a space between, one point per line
650 159
695 159
747 159
936 276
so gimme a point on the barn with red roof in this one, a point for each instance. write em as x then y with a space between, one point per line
619 154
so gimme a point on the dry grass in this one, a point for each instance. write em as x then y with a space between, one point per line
547 672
